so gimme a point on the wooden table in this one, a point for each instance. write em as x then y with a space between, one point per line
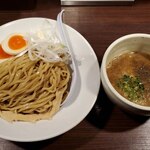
106 126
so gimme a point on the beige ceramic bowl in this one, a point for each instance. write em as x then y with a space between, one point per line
132 42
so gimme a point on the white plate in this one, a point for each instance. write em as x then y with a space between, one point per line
74 110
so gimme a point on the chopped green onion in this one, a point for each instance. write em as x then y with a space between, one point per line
131 86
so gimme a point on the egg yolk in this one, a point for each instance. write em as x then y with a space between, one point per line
3 55
17 42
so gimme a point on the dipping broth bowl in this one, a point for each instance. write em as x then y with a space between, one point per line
133 42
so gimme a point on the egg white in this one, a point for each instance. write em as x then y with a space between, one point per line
10 51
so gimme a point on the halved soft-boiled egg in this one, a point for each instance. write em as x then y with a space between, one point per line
3 54
15 43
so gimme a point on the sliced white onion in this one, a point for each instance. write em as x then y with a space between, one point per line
48 52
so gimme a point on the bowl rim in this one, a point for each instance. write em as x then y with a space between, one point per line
103 69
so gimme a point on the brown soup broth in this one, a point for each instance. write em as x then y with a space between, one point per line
132 65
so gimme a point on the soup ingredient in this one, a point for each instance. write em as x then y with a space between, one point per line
129 74
32 90
49 52
15 43
3 55
132 87
46 44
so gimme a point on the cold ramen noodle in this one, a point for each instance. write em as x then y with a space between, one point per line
129 74
35 80
32 90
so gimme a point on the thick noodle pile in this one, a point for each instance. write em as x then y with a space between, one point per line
32 90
